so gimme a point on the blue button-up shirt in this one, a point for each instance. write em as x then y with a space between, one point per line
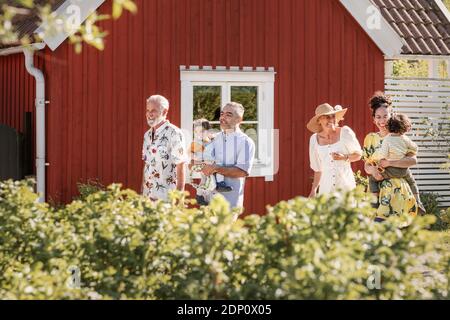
233 150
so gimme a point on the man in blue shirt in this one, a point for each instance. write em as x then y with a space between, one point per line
233 153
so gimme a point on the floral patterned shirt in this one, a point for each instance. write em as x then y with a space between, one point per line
161 154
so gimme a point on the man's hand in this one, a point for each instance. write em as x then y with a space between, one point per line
384 163
209 169
194 163
181 176
313 193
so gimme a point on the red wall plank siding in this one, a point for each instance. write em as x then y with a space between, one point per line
271 60
285 100
96 118
18 91
55 115
298 103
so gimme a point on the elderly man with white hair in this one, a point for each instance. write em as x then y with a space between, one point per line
163 152
233 153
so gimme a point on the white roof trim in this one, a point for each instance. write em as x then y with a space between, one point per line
207 74
443 8
419 57
65 12
385 37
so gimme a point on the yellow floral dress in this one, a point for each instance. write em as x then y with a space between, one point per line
396 197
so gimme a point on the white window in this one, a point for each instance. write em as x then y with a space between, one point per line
205 91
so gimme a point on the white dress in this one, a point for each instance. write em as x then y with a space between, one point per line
336 174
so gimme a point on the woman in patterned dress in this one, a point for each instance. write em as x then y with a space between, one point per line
395 197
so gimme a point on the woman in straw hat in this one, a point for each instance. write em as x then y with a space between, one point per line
331 150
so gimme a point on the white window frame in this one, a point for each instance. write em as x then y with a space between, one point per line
264 166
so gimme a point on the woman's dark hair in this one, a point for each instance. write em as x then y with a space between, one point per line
399 123
379 100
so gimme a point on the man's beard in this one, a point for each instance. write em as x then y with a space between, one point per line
155 122
227 127
224 126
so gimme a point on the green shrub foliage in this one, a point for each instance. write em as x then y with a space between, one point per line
115 244
431 203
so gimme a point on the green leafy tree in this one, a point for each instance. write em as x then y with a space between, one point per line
438 130
88 32
447 3
410 68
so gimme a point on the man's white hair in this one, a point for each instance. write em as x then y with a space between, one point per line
159 100
237 107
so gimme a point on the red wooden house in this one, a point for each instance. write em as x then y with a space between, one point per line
287 56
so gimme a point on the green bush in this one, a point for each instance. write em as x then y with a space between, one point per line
442 220
89 187
116 244
431 204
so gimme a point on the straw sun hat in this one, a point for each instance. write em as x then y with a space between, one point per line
325 110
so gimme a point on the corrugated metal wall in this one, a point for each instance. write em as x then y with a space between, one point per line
97 113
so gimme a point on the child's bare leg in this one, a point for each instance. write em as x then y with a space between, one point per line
376 204
419 204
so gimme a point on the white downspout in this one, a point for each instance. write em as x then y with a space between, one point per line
40 122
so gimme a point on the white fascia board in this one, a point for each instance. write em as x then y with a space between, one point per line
443 8
384 36
419 57
66 13
19 49
233 76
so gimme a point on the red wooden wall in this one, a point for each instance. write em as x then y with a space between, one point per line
17 91
96 118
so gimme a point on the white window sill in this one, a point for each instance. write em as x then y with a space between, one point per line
262 169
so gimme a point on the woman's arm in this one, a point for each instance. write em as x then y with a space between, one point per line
356 156
351 145
406 162
315 184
